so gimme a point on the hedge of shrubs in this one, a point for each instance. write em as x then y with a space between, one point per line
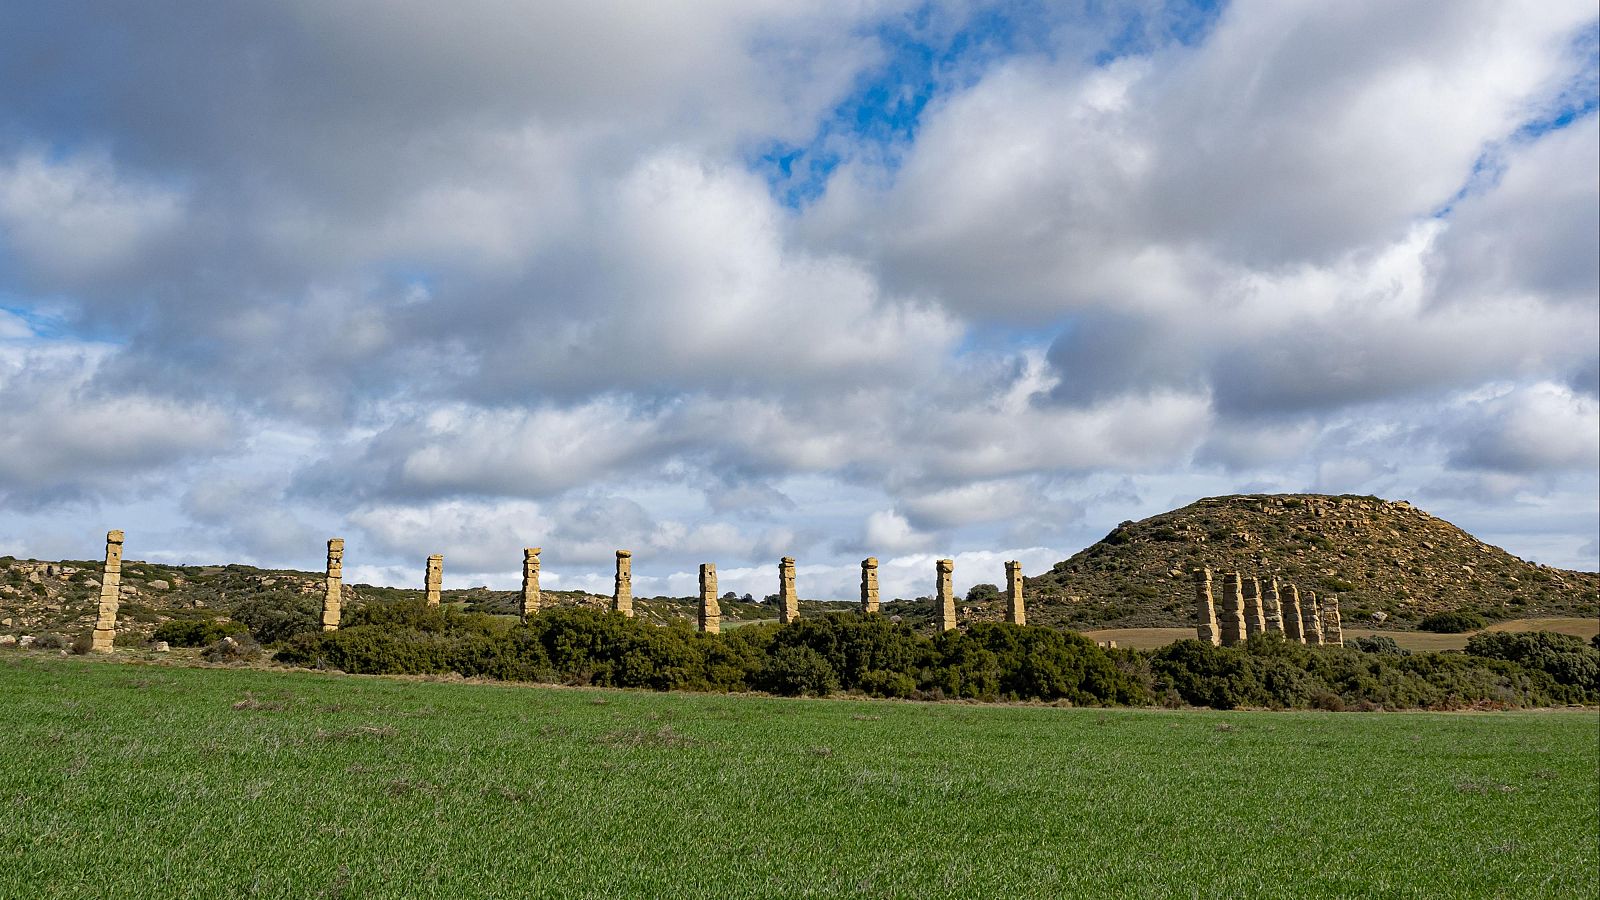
843 652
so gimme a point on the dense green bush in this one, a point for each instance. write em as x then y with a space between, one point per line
277 616
196 632
1454 622
1377 643
986 661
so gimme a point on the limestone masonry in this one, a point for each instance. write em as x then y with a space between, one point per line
622 588
1273 606
433 579
1255 621
1311 624
1016 614
869 585
788 602
530 581
710 610
1331 625
1292 623
105 626
333 595
1231 616
944 595
1205 609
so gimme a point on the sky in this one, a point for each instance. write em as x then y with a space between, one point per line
729 280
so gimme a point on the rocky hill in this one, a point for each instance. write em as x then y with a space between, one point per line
1389 563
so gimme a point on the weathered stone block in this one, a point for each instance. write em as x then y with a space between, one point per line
333 588
1255 620
433 579
1293 624
1016 613
1231 616
1332 625
944 598
622 586
788 601
710 609
530 582
1206 628
869 585
1272 606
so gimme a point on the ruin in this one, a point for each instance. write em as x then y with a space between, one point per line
1333 628
869 585
1255 620
333 595
788 602
433 578
1015 613
1293 625
710 611
1231 616
622 588
1311 622
105 625
1205 609
530 581
1272 606
944 595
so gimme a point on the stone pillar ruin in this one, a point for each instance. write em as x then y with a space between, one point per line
105 625
869 585
622 588
1255 620
1015 613
433 579
1205 609
944 598
1311 620
1332 627
1272 606
333 594
530 581
1292 623
1231 616
788 602
710 610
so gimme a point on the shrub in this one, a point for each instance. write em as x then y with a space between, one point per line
275 617
1453 622
797 671
1378 643
196 632
1573 666
881 683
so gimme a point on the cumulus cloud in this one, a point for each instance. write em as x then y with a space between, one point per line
471 279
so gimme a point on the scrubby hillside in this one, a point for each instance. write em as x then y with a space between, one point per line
62 597
1385 558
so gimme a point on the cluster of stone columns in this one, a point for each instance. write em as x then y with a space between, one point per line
105 625
1249 608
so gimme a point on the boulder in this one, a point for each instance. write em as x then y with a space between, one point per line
158 584
25 641
8 640
161 647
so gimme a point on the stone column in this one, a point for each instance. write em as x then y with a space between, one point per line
105 625
1205 609
1231 616
1016 614
530 581
710 610
1273 607
1255 620
1311 621
788 602
1331 623
869 585
433 579
333 595
1292 625
622 588
944 598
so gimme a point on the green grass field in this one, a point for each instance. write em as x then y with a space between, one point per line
131 780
